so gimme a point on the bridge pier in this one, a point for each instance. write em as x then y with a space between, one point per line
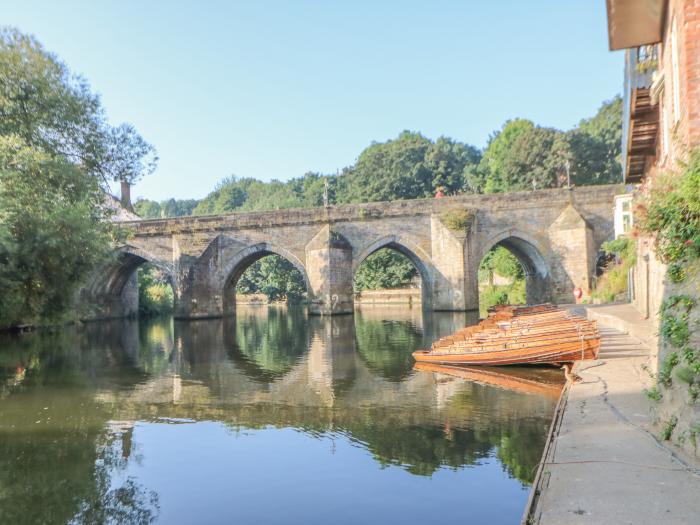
451 287
329 270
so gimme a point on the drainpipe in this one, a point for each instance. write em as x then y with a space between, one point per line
646 286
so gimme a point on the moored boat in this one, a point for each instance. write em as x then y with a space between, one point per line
540 334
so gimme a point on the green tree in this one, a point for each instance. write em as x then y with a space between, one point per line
501 261
447 159
533 163
520 156
385 268
274 276
149 209
44 105
125 156
52 232
493 162
596 146
54 145
177 207
408 167
155 293
523 156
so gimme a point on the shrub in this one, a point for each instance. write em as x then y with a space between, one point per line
155 294
674 319
685 375
669 427
502 294
677 273
622 247
671 214
675 329
667 366
691 359
612 285
653 393
458 220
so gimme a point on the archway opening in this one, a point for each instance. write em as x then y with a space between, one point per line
265 277
501 279
131 286
512 271
389 275
156 295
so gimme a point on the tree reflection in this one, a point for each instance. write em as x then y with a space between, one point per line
267 346
64 457
386 346
57 462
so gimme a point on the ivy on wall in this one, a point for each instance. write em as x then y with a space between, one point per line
670 214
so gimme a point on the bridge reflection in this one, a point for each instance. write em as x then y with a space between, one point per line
264 368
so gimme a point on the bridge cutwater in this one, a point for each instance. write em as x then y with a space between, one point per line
556 234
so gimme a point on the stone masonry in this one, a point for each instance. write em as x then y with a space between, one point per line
556 234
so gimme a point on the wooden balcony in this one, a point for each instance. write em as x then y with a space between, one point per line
640 119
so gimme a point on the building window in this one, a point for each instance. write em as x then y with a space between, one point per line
676 73
626 217
623 214
626 222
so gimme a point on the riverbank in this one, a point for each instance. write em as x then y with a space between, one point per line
603 462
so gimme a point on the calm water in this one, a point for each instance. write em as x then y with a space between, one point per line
271 417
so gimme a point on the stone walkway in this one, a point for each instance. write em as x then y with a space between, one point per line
604 464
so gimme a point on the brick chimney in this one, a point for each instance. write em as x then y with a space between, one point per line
126 196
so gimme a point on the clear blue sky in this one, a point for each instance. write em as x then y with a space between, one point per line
274 89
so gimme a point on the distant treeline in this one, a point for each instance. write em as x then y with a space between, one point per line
519 156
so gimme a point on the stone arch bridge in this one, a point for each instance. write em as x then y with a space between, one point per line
556 234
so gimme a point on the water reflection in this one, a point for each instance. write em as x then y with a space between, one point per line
87 414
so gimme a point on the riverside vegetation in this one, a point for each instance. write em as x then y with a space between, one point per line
58 153
670 214
612 283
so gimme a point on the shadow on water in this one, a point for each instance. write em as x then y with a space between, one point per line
76 406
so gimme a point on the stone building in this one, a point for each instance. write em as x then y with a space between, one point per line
661 127
661 108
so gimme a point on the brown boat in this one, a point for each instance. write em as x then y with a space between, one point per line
539 334
547 383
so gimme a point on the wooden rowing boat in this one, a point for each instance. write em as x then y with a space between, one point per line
539 334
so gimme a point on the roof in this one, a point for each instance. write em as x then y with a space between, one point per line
633 23
121 214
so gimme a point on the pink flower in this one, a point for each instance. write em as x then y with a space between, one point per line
689 242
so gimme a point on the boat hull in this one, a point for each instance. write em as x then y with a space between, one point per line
554 354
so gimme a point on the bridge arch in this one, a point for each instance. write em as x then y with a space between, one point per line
109 289
418 257
532 257
234 268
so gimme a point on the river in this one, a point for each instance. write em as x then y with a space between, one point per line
269 417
